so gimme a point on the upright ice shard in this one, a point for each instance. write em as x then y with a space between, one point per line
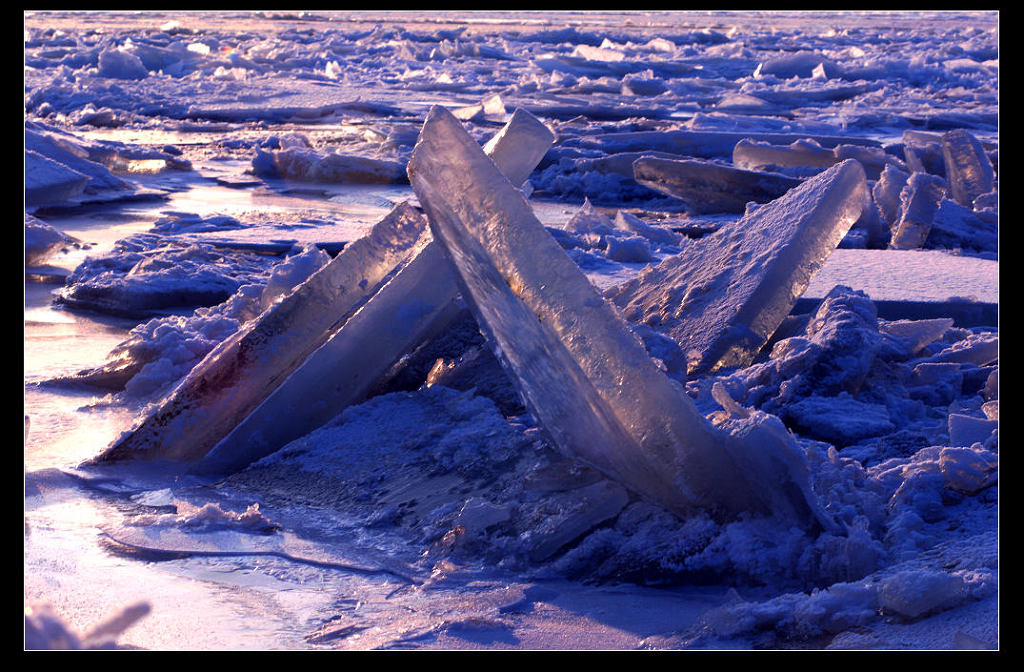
725 294
919 201
969 172
585 376
886 194
418 302
707 187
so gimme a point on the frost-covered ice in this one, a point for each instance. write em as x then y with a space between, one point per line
725 295
186 174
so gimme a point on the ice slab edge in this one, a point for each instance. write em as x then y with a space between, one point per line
724 297
707 187
241 371
416 303
581 371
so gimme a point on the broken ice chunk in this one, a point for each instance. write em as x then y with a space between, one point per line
919 201
912 335
240 372
703 144
955 226
585 377
874 159
978 349
806 153
968 470
578 512
303 163
629 249
968 169
923 153
725 295
490 108
966 430
519 146
588 220
658 236
43 241
47 181
707 187
886 193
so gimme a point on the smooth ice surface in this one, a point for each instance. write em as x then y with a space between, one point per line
584 375
968 169
419 301
709 187
238 374
724 296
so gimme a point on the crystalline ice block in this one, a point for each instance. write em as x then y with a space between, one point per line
751 155
584 375
919 201
519 146
710 187
969 172
725 294
886 193
419 301
241 373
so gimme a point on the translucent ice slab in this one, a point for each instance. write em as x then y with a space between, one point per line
725 294
238 374
968 169
582 372
752 155
919 201
417 302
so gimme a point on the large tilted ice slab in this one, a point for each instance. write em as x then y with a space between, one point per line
417 303
584 375
724 296
238 374
707 187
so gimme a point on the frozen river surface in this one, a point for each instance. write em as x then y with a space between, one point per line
435 515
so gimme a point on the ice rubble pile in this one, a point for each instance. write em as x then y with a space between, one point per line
819 384
883 432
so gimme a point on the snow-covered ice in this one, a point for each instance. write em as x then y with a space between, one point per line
532 462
